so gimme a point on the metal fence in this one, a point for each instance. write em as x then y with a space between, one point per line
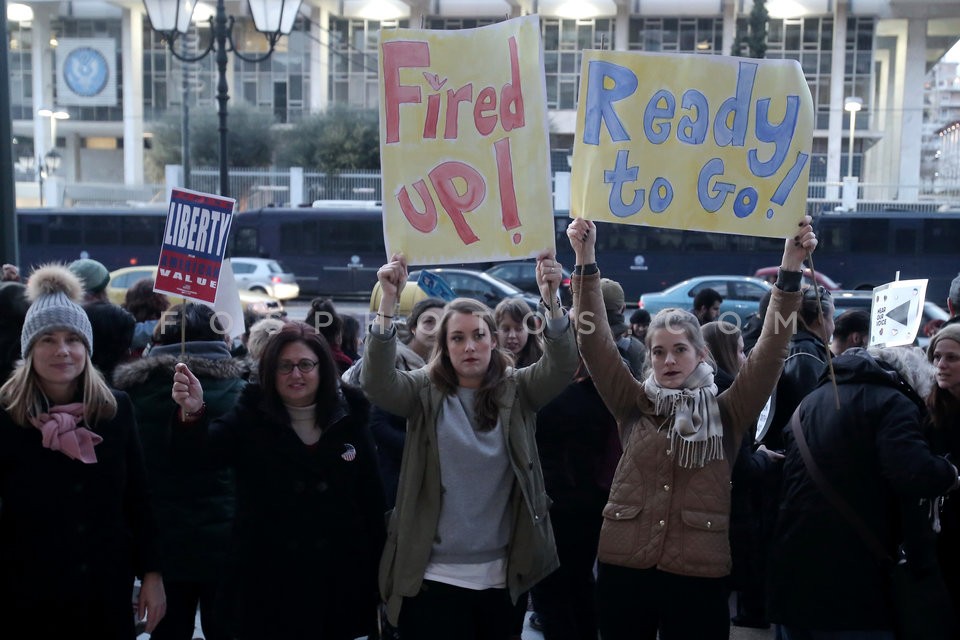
254 188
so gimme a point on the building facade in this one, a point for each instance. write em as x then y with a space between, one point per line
877 50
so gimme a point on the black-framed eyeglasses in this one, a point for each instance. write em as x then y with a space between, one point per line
305 366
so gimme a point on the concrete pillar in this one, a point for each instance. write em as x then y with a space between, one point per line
319 59
296 187
621 31
131 36
835 122
729 10
887 170
42 83
880 166
911 128
71 169
53 191
172 178
418 14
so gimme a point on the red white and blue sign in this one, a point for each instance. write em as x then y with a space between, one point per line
194 244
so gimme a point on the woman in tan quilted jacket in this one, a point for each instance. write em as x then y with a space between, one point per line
664 547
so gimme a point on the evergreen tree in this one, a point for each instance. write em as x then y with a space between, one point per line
250 141
341 138
756 36
757 40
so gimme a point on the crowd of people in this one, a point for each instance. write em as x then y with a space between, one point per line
626 476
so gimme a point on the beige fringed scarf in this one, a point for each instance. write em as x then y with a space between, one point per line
696 434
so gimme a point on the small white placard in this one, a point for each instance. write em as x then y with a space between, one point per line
896 312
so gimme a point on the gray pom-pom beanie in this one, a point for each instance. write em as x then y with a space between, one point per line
54 292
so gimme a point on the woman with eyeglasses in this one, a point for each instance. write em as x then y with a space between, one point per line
471 529
309 524
664 551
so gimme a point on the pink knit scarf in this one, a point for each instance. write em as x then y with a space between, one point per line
61 433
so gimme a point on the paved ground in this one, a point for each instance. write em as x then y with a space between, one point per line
736 633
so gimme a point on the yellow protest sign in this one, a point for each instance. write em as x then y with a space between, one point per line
463 143
684 141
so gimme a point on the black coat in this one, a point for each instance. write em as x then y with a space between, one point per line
194 504
946 441
579 447
746 484
112 335
872 451
805 363
389 432
73 535
13 310
309 526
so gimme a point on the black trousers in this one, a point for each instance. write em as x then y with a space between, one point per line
566 600
635 604
442 611
182 601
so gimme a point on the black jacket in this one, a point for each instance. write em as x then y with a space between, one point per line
310 521
806 361
194 504
872 451
112 335
579 449
72 535
13 310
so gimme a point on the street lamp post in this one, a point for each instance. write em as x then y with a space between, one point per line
272 18
54 115
45 167
852 104
851 185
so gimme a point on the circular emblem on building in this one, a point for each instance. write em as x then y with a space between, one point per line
86 72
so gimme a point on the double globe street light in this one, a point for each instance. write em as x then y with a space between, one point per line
45 167
171 19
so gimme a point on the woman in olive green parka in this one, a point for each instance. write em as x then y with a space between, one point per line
437 558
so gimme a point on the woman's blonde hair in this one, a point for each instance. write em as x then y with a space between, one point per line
680 322
22 397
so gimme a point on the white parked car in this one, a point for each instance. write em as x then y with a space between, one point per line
266 276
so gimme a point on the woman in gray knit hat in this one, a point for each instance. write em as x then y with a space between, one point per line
75 523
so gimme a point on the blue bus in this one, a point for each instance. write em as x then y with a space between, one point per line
116 237
858 250
336 249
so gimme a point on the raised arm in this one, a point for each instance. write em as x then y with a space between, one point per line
797 248
758 376
616 385
546 378
196 439
187 392
385 386
549 275
392 278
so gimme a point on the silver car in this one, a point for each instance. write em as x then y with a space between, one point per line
266 276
